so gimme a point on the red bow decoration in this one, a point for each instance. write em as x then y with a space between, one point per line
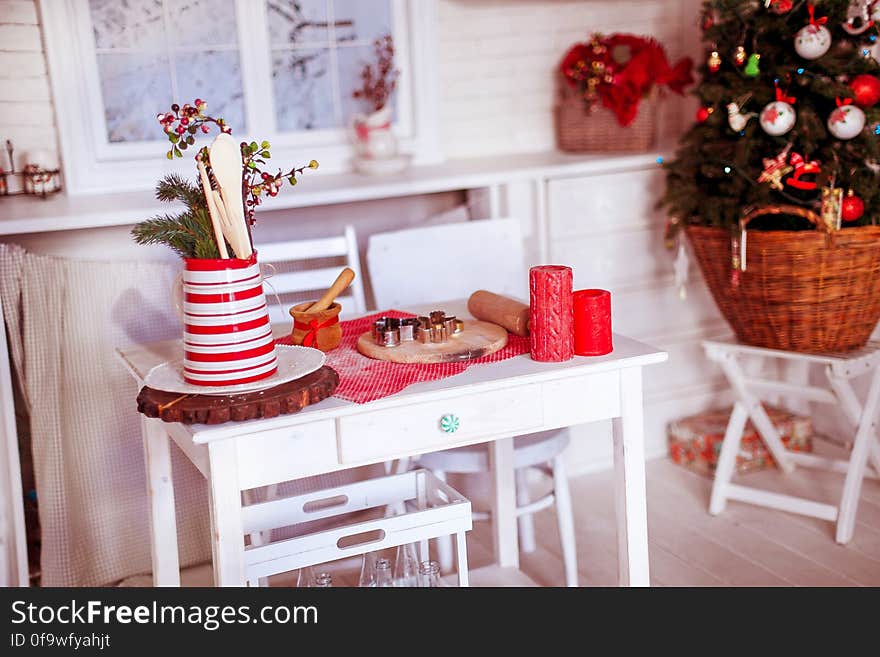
802 168
843 101
815 22
780 96
312 328
623 68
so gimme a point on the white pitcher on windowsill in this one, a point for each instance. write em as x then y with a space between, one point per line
373 136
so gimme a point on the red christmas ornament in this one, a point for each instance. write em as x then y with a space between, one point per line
780 6
703 114
852 207
866 89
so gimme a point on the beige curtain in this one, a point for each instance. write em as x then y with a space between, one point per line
65 318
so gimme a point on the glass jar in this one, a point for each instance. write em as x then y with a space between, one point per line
429 574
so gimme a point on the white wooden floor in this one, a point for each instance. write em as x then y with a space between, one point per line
744 546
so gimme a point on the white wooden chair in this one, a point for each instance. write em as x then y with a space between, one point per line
750 387
343 247
447 262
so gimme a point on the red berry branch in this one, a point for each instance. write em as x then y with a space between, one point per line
379 82
181 125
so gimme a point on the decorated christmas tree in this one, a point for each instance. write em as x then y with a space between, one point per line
787 116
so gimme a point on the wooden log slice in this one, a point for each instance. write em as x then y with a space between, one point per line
284 399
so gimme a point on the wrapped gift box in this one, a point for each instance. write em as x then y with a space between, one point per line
695 441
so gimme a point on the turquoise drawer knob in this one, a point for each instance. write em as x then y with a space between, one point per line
449 423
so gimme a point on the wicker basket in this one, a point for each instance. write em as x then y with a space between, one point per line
802 291
579 130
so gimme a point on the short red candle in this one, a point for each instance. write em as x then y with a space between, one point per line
592 322
551 321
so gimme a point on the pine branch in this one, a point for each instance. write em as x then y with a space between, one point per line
175 187
168 230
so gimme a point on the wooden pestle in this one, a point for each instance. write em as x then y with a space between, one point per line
342 281
501 310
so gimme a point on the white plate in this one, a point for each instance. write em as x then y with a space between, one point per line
293 363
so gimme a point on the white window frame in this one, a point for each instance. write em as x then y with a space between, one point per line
93 165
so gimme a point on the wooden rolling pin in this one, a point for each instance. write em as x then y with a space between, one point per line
342 281
504 311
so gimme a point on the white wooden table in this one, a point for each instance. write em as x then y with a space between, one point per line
494 402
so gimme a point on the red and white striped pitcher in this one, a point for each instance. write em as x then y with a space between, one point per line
227 336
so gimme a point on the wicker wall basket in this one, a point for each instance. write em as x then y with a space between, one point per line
802 291
579 130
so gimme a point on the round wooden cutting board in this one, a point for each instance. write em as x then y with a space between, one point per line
476 339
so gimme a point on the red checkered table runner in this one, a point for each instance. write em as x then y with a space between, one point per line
363 379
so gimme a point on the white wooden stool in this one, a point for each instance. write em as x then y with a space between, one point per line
839 370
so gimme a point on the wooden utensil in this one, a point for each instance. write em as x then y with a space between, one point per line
501 310
225 157
213 211
342 281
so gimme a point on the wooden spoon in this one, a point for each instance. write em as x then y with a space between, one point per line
342 281
216 221
226 164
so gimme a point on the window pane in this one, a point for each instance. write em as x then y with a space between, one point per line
129 24
297 22
140 42
202 22
303 90
351 63
216 77
357 20
135 87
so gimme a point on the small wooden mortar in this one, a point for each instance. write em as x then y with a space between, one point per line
311 327
316 324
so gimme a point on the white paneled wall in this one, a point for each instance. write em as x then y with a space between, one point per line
26 113
496 63
608 228
498 57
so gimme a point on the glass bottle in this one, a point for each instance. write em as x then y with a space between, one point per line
429 574
323 581
368 570
406 566
383 573
306 577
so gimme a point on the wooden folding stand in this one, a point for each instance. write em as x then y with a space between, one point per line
839 370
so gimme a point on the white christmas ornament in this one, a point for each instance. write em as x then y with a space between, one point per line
736 119
846 122
813 40
777 118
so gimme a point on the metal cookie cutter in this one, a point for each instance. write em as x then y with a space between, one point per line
436 328
391 331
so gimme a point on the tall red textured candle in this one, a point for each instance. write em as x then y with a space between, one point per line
592 323
550 313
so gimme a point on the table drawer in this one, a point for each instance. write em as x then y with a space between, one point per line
582 399
437 425
270 457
